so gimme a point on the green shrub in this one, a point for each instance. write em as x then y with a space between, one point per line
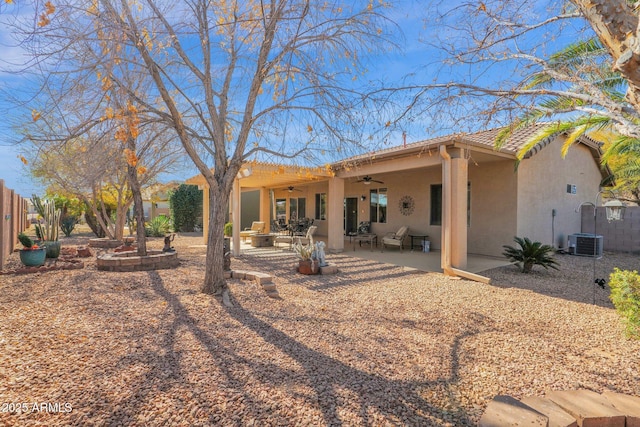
185 203
158 226
228 229
68 223
529 254
625 296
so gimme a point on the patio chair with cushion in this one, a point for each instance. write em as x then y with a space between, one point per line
395 239
257 227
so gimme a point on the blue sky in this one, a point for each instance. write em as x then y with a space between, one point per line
416 59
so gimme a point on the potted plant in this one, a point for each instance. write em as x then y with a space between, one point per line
31 255
307 264
47 231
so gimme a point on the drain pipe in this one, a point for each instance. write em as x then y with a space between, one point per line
446 223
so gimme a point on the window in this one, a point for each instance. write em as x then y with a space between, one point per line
281 209
436 204
378 205
297 208
321 206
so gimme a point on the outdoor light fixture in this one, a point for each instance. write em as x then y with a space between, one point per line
615 212
243 173
363 198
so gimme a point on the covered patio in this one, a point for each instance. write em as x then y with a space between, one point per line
411 260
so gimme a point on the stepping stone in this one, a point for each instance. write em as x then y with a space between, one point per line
506 411
557 416
329 269
262 278
629 405
589 408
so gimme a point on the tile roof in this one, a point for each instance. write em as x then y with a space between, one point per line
483 139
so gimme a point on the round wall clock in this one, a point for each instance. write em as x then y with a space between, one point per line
406 205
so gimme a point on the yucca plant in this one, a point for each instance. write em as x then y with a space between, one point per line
158 226
529 254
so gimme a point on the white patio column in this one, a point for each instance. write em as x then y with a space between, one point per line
459 188
265 214
236 197
335 215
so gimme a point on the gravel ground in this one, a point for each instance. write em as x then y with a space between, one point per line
372 345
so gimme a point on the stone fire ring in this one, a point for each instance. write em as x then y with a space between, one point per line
131 261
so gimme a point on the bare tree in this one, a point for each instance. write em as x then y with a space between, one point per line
500 61
235 80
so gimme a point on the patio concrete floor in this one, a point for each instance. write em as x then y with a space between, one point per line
429 262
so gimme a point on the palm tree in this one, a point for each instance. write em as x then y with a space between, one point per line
584 109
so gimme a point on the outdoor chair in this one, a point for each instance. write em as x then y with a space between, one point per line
257 227
395 239
291 238
364 227
308 237
278 227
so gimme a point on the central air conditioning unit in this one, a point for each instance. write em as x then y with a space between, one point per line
585 244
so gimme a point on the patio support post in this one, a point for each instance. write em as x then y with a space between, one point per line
265 214
335 215
454 210
236 197
459 189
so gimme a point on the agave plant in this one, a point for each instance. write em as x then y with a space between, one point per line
529 254
158 226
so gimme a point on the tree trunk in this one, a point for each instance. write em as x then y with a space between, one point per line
214 281
616 25
132 172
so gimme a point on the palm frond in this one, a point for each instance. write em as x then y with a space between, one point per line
575 54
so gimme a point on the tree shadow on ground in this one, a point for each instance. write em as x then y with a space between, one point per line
398 401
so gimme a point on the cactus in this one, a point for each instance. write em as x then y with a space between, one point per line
48 231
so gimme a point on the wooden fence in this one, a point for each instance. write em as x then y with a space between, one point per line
13 217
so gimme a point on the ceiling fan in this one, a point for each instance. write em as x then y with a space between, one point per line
367 180
291 189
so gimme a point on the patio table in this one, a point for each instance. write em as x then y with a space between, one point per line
421 237
369 238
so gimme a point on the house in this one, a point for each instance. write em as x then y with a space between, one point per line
466 196
155 200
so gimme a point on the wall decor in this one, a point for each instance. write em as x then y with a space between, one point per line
406 205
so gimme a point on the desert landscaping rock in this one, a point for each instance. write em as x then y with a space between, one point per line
371 345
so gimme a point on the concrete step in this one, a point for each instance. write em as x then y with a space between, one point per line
567 408
628 405
556 415
508 411
589 408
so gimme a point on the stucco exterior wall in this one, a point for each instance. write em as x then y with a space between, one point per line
414 183
493 207
493 204
542 190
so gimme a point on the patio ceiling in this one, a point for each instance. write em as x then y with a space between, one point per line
271 175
